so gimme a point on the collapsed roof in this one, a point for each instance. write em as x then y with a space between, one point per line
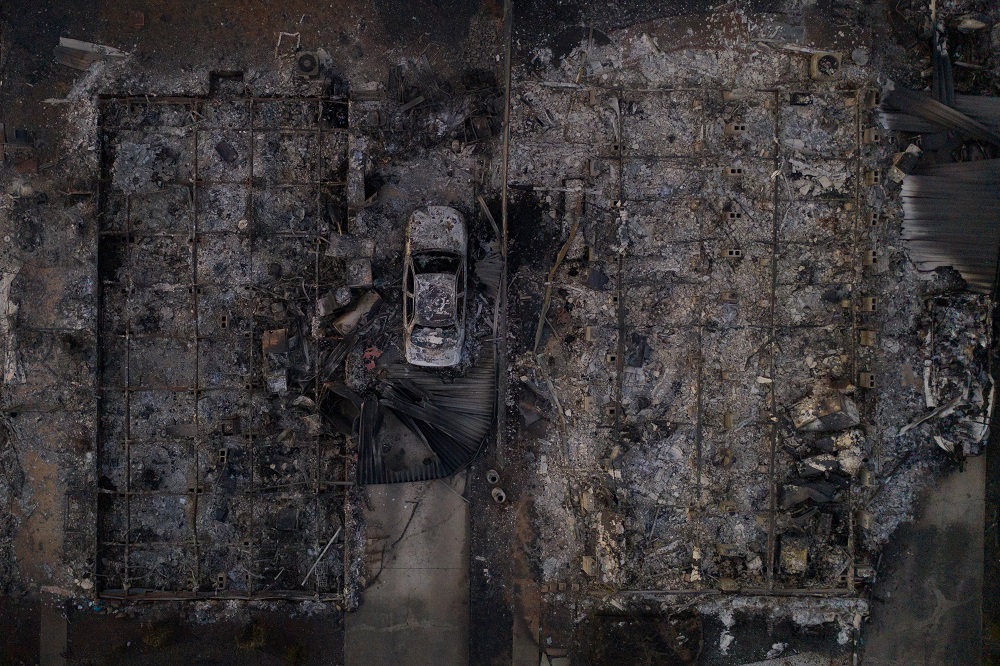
450 417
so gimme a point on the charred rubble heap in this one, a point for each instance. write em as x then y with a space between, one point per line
246 314
737 380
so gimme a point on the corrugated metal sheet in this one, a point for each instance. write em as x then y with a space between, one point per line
451 417
904 122
985 110
942 81
488 271
952 218
910 111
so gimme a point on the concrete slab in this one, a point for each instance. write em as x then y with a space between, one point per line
928 607
416 611
525 651
52 634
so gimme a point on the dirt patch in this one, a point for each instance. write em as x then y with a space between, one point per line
532 243
445 23
647 640
490 566
526 599
38 543
19 627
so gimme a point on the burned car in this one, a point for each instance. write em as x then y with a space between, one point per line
434 286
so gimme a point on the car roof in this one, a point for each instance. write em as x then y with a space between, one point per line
434 299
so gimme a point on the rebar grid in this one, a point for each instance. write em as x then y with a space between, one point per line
626 308
315 492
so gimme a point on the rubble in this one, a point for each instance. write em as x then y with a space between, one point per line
701 355
720 264
80 55
358 315
136 167
828 411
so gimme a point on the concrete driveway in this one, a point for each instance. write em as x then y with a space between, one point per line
416 609
928 608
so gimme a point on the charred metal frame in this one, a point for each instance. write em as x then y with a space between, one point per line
323 491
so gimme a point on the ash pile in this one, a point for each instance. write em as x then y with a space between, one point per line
731 378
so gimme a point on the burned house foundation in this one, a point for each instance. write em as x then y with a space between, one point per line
219 476
502 334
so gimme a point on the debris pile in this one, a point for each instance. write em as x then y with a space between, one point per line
720 349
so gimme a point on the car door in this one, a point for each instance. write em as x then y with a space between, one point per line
460 300
408 299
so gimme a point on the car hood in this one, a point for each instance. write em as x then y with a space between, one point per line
437 228
434 299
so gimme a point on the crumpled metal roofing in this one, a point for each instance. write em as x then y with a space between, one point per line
452 417
952 218
985 110
911 111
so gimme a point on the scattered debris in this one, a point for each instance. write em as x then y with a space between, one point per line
137 169
827 410
81 55
282 35
359 314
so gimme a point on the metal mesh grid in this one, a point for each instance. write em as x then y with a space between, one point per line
205 489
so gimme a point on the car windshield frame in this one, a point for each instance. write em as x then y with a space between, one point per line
438 261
